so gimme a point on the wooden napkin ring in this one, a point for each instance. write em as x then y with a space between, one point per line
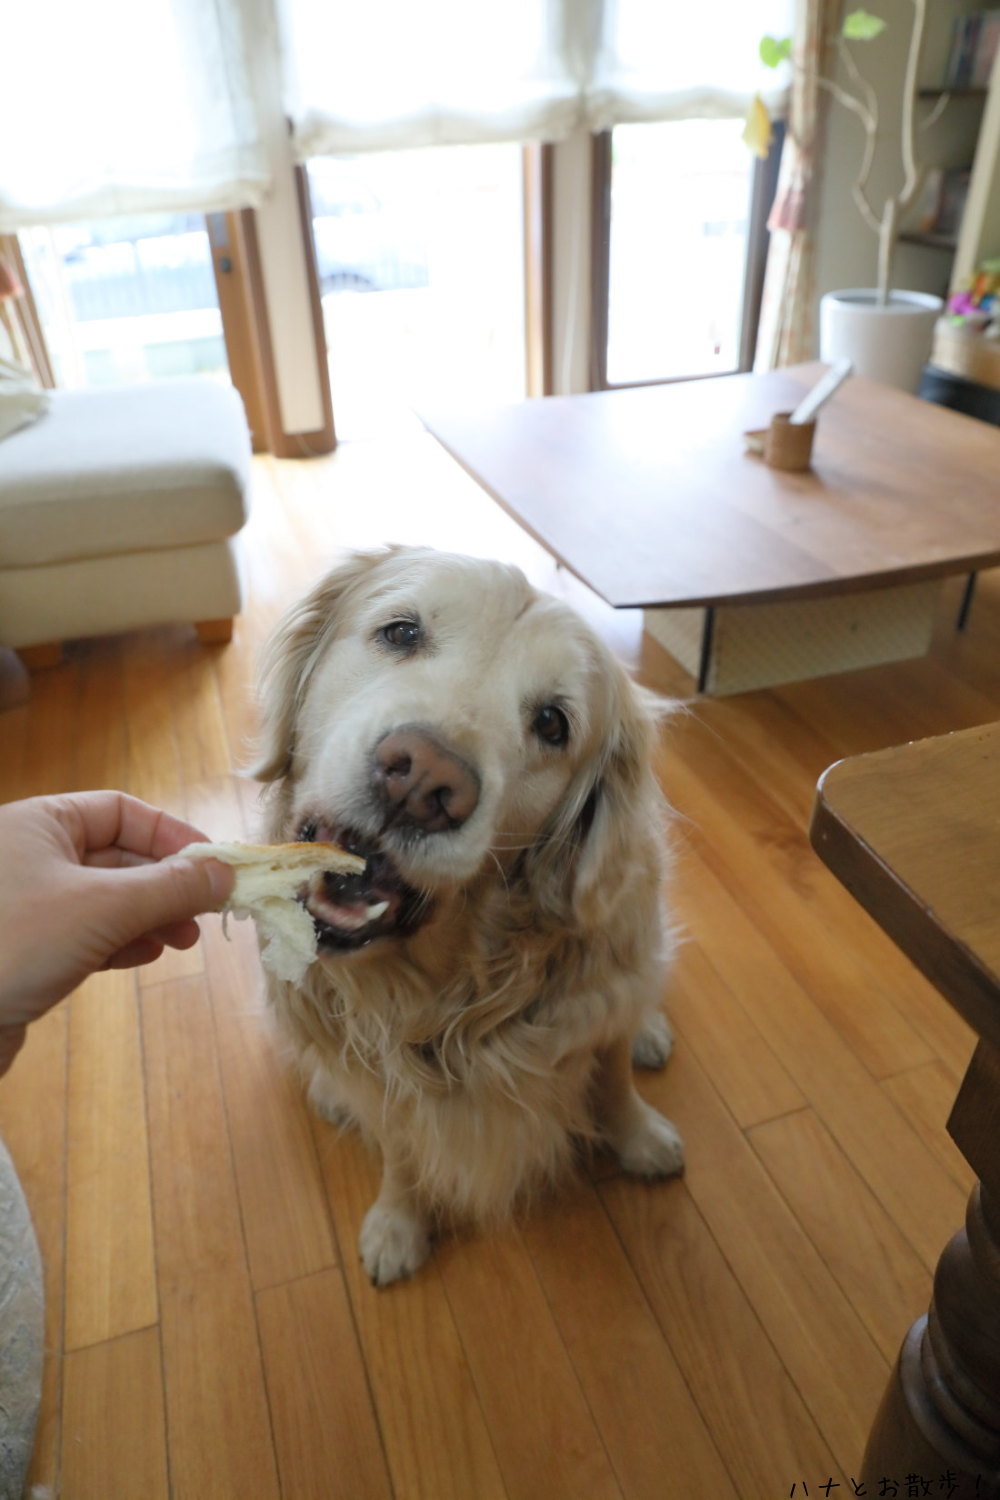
789 445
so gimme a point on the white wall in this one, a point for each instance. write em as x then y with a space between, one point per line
847 248
283 266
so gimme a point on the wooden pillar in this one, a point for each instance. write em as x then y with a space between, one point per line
940 1417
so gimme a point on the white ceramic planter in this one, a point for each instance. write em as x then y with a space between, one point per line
890 344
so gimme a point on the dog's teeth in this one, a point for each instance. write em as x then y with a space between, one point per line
372 913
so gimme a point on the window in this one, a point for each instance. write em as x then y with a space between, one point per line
420 260
127 299
681 226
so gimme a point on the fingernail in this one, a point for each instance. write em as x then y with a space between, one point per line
220 878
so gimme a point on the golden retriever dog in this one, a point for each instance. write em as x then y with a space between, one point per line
482 989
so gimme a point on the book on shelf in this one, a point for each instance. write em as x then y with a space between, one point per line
937 213
923 218
986 49
951 201
975 39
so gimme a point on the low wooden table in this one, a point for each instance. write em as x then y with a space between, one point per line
748 575
914 834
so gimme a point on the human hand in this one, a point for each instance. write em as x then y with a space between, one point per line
85 885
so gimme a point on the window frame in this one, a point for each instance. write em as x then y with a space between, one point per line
763 185
538 179
239 280
24 311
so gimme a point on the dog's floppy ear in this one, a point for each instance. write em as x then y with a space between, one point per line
580 866
289 659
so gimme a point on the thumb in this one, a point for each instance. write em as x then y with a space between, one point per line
174 890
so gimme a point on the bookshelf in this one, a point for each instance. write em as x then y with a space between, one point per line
935 93
979 232
971 233
960 351
929 239
934 221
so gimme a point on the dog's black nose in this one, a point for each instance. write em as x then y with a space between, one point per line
426 783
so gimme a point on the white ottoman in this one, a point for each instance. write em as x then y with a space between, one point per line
118 510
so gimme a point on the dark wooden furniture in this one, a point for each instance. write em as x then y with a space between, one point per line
958 393
914 834
647 494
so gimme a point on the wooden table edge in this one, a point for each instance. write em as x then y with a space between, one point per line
948 963
941 1407
826 588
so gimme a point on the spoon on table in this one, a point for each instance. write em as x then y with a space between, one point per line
808 406
821 393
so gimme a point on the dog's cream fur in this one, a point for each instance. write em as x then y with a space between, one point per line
478 1050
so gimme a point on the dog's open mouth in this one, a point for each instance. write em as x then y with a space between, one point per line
350 911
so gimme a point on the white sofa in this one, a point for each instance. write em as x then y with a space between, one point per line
119 508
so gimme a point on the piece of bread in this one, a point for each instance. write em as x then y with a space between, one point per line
268 879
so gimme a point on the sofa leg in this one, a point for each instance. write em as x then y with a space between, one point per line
37 658
214 632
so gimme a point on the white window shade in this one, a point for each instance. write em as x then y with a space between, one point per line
394 74
391 74
121 107
679 60
141 106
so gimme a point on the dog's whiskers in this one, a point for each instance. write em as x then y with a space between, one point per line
534 843
500 869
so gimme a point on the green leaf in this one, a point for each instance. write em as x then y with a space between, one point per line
774 50
859 26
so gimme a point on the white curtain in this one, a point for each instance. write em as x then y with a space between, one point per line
369 75
787 333
125 107
680 60
138 106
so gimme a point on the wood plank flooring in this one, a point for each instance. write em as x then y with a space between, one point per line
210 1333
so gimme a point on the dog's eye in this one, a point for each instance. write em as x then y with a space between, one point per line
403 635
551 725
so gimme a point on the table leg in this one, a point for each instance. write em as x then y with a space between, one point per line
707 638
940 1416
966 604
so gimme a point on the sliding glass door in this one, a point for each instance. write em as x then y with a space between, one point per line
420 257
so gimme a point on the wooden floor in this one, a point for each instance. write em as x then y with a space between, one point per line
210 1332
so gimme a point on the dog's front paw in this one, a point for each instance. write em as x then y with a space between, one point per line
653 1148
394 1243
654 1043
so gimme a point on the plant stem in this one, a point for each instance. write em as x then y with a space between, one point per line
913 174
865 106
887 248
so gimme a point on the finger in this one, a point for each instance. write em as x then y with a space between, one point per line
152 897
144 950
175 935
114 859
160 836
178 934
101 820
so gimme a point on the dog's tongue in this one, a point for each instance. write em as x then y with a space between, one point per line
349 918
347 902
340 901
